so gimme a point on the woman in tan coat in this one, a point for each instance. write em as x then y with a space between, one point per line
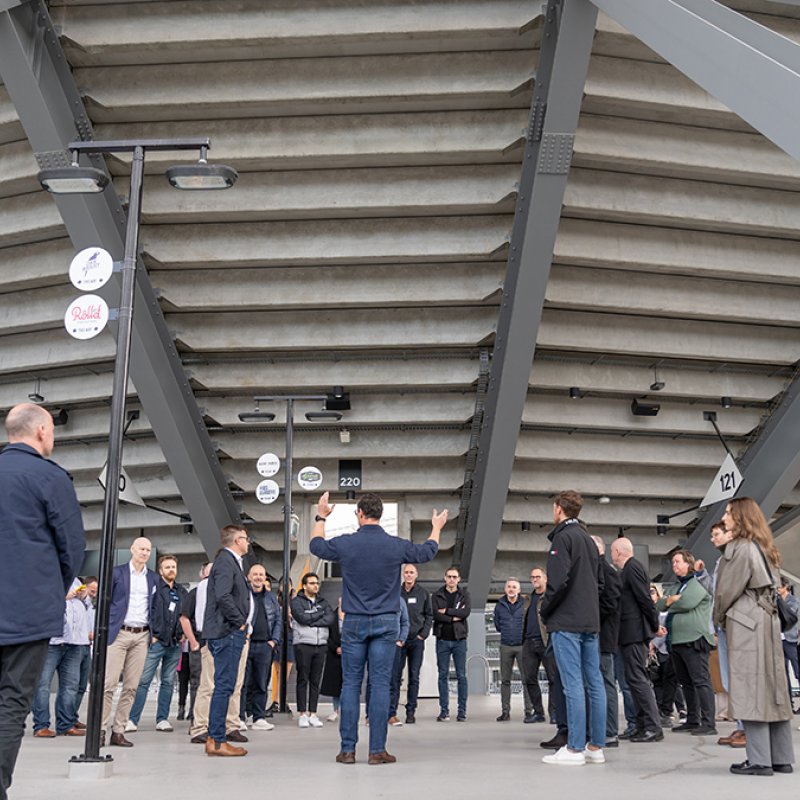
744 606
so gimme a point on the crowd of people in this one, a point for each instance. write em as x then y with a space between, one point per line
594 625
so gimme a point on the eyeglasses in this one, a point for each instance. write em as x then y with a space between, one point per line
245 538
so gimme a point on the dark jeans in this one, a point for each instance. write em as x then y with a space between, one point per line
612 698
534 655
635 657
189 680
256 677
508 654
83 681
309 661
790 654
458 650
65 659
373 639
226 653
691 666
412 653
20 667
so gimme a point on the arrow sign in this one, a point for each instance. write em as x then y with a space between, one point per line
725 484
127 491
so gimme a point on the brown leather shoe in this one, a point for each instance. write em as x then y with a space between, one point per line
236 736
76 731
346 758
725 740
80 726
223 749
119 740
44 733
201 738
381 758
738 739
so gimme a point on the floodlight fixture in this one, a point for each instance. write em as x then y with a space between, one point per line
313 416
256 416
725 401
575 393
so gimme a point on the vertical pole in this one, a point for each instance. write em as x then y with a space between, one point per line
117 422
287 530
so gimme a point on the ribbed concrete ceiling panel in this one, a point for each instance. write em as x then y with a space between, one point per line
364 245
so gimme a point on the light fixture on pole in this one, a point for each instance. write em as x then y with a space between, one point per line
80 180
255 416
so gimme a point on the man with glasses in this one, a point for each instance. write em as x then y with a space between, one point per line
451 609
229 611
534 651
370 559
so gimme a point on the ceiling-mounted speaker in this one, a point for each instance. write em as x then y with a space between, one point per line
640 409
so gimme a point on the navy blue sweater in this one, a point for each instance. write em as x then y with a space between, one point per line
371 561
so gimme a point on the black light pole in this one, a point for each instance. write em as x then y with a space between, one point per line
80 180
287 510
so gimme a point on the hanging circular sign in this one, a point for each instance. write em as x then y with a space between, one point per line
267 492
268 465
309 478
86 316
91 269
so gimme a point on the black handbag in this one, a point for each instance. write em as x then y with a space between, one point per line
786 617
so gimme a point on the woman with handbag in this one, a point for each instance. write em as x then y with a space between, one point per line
745 606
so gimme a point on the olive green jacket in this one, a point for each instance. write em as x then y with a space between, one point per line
689 617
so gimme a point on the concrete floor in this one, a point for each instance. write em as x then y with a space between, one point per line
468 760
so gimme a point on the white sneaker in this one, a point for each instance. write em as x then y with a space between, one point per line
566 758
333 717
315 721
262 725
163 725
242 726
302 721
594 756
131 727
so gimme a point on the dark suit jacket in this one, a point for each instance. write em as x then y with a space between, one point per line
609 607
121 595
228 599
639 617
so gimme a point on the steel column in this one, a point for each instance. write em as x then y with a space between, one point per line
563 63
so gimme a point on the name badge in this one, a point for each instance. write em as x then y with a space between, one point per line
171 607
412 600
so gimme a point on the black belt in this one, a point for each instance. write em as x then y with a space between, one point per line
129 629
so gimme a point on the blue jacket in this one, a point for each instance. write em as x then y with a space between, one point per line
371 561
273 612
121 595
509 619
42 545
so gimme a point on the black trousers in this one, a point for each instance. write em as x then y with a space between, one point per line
534 655
309 660
634 657
189 680
691 666
20 668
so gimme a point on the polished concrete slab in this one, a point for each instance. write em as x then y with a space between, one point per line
474 759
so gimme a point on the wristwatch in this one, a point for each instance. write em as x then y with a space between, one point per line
318 518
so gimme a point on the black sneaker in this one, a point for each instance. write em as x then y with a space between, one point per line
410 718
504 717
461 718
685 727
443 717
704 730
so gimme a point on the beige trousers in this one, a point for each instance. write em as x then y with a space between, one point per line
206 689
125 655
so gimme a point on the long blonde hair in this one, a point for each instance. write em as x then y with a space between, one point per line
750 523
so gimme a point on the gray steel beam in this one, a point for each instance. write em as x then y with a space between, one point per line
36 74
752 70
770 469
788 520
561 73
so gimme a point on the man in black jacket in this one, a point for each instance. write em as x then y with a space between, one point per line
609 637
451 609
420 619
571 612
165 645
229 610
638 625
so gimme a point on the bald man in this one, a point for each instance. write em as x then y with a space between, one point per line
133 593
41 551
638 624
